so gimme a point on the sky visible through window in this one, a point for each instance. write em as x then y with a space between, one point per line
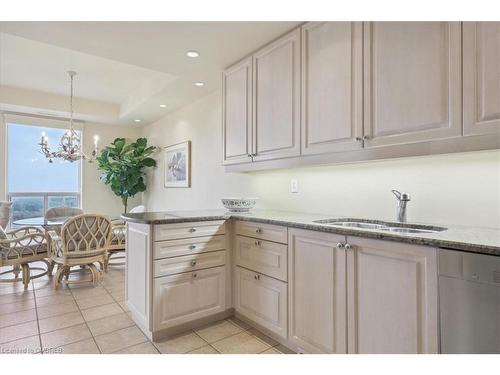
29 170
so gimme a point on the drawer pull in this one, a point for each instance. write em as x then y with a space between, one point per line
192 230
195 275
192 247
258 243
257 277
193 263
258 230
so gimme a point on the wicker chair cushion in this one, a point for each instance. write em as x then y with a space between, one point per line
25 248
58 250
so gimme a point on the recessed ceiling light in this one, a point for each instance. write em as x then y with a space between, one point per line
192 53
137 120
163 106
199 84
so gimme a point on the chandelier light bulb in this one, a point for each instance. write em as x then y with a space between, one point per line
70 145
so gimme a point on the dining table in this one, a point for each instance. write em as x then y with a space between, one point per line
53 224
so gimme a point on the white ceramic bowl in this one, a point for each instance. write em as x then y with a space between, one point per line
239 204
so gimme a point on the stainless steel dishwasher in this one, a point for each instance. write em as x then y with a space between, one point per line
469 292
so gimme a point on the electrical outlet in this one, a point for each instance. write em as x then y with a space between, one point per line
294 185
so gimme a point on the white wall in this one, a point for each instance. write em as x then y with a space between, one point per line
96 197
198 122
459 188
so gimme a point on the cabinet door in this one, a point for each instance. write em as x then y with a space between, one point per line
237 113
277 99
317 292
412 82
188 296
261 299
392 297
481 77
332 99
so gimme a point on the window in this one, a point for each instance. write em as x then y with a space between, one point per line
33 184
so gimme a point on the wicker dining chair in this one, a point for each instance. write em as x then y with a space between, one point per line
83 241
117 245
21 247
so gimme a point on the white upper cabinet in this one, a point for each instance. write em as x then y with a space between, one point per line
412 82
332 88
392 297
237 113
276 92
481 54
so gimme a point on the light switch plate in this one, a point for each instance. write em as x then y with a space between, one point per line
294 185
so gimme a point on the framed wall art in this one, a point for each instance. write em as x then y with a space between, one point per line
178 165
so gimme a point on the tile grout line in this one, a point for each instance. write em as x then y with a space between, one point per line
237 333
37 320
116 330
16 324
85 321
134 325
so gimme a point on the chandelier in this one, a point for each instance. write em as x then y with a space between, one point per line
70 145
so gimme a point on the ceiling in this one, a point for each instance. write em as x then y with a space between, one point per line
135 66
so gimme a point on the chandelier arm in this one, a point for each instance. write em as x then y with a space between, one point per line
70 145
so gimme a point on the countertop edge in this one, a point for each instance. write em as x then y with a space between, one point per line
435 242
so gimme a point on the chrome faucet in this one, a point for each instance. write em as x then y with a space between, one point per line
403 199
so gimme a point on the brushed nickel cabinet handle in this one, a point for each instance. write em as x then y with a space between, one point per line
258 243
193 263
195 275
258 230
192 230
191 247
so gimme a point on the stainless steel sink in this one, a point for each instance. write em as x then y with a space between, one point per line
407 230
356 224
381 225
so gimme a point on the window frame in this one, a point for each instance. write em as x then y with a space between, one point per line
45 122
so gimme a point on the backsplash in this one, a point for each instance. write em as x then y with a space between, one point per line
445 189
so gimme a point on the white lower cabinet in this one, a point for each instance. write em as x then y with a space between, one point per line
261 299
188 296
392 297
369 296
317 292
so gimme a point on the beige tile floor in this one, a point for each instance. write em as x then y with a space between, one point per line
87 320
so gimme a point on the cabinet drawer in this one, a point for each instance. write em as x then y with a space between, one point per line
188 296
268 232
262 299
170 266
176 231
265 257
187 246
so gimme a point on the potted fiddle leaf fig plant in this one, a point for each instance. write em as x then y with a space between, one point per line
124 165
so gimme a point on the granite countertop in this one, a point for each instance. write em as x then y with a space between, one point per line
465 238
